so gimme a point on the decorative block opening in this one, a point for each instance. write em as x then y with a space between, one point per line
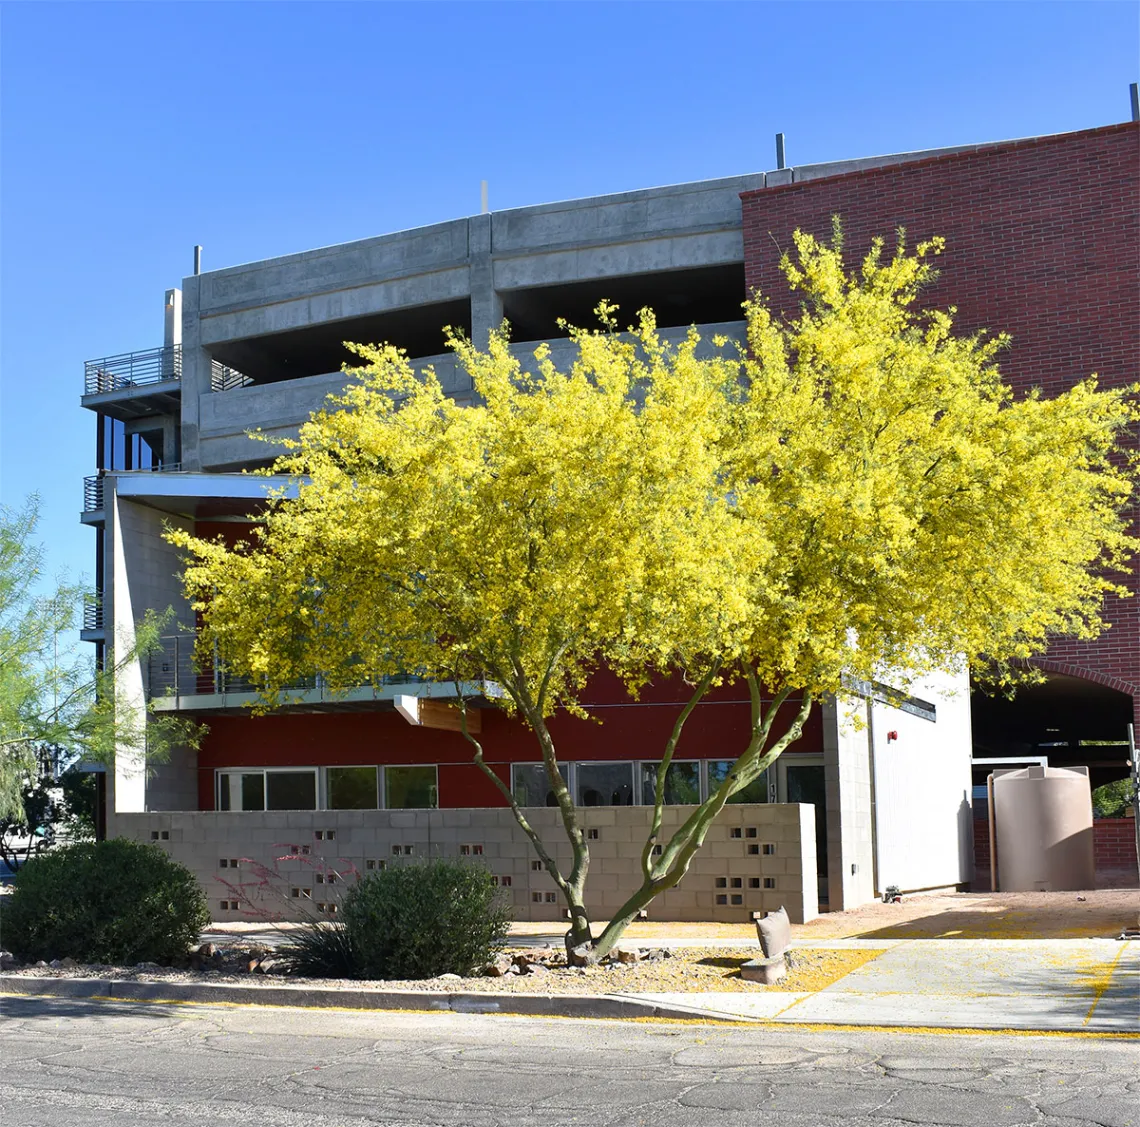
722 882
657 851
592 835
736 882
769 882
536 897
753 882
722 899
505 881
736 831
751 832
551 897
754 851
768 849
736 898
536 866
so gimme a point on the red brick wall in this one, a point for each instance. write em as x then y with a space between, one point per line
1043 242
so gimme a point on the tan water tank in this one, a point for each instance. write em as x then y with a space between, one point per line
1044 826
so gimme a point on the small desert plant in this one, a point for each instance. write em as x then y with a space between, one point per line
426 919
116 901
320 949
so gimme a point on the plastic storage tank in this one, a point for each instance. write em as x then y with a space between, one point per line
1044 824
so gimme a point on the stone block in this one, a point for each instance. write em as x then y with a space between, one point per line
766 971
775 933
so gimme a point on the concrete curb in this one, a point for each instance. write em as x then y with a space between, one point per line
531 1005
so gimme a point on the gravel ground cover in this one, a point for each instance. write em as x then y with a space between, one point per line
536 971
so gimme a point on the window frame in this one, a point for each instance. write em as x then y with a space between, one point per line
221 773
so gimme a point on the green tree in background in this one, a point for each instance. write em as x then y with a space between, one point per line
56 707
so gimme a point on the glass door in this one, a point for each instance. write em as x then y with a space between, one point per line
801 779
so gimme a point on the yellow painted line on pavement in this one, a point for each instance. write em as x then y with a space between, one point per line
753 1023
1101 982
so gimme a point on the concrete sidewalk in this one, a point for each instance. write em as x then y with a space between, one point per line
1072 985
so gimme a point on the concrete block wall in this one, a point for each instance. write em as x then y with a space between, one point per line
755 857
850 830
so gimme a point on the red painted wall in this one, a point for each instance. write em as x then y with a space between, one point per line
623 730
1043 242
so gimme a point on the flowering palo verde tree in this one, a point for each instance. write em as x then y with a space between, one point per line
853 490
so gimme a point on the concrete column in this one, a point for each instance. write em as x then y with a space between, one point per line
486 305
847 778
195 372
172 319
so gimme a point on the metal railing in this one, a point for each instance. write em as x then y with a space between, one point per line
92 612
225 378
93 493
133 369
176 670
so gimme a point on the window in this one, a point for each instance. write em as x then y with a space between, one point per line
410 788
351 788
756 791
682 784
605 784
291 790
530 785
268 790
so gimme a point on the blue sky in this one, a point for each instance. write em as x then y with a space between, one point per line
130 132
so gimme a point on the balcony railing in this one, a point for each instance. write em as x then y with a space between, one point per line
224 378
176 671
92 613
93 493
133 369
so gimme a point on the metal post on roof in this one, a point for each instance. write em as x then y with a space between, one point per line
198 260
483 205
1134 90
779 150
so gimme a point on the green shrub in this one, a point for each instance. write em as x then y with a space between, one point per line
320 950
421 920
1113 799
115 901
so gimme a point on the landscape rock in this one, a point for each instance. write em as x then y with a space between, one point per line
765 971
39 963
579 956
68 963
775 933
55 964
627 955
7 959
206 951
